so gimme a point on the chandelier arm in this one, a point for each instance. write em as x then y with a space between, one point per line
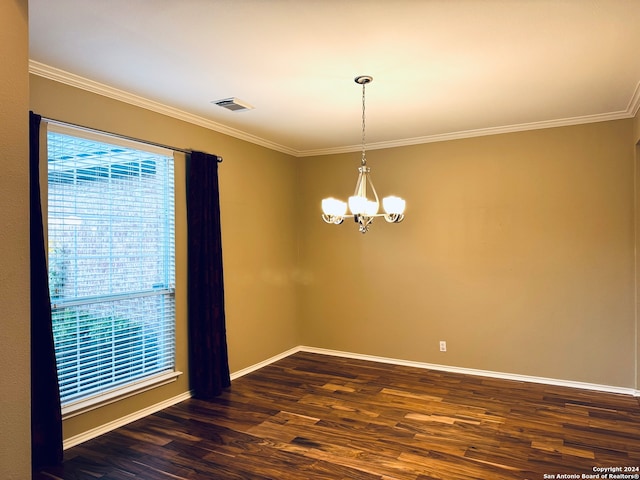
364 221
361 183
373 189
332 219
393 217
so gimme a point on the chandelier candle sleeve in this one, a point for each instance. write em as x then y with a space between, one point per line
393 205
362 204
334 207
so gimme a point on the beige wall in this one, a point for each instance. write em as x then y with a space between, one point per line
637 261
517 249
259 246
15 415
636 138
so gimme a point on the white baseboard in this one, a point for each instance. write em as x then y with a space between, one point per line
266 362
107 427
472 371
93 433
120 422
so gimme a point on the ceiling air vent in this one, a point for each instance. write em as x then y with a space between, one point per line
233 104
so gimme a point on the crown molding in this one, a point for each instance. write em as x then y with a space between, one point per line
481 132
634 103
630 112
73 80
82 83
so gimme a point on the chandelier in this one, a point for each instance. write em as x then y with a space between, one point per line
364 203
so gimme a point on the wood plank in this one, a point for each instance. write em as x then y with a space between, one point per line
311 416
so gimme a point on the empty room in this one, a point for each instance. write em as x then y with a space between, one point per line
269 239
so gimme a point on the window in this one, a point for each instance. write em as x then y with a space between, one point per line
111 255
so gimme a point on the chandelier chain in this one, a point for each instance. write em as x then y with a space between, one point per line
364 158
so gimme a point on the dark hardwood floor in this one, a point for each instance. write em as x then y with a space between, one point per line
312 416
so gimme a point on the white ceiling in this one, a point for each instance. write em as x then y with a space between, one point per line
442 68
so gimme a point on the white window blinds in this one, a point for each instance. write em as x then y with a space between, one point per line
111 261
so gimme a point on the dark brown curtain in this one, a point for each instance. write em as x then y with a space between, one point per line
46 417
208 362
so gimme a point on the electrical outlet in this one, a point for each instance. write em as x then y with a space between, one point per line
443 346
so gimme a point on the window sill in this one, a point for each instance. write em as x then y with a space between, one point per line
86 405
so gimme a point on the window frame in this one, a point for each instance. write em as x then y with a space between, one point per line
82 405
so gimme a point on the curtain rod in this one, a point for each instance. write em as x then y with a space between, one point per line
125 137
